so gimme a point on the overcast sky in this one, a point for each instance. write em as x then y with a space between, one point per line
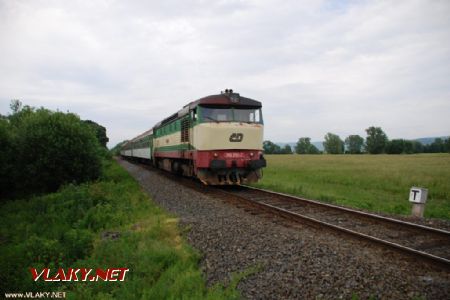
317 66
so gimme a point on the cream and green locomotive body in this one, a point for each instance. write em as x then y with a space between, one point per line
217 139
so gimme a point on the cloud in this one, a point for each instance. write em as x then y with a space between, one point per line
317 66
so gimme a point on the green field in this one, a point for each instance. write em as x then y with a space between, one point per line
379 183
66 230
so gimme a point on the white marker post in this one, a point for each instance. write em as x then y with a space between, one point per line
418 197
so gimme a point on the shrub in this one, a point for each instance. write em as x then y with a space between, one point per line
42 150
6 157
56 148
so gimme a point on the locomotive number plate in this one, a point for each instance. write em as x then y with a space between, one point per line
234 155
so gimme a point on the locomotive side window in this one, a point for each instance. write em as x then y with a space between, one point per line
194 114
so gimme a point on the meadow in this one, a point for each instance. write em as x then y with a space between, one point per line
66 229
377 183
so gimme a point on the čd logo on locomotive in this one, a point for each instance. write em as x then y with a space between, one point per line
236 137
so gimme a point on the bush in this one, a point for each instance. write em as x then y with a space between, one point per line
396 146
67 230
56 148
42 150
6 157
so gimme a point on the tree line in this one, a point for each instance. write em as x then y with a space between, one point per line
376 142
40 150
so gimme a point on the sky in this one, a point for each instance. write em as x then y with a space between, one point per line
316 66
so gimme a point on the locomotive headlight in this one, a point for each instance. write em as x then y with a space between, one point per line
252 154
215 154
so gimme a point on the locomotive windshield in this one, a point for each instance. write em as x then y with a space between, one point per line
230 114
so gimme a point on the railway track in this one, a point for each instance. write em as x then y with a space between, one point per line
421 242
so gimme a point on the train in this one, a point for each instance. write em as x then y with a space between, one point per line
217 139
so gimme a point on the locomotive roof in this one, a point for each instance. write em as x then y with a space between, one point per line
232 99
227 98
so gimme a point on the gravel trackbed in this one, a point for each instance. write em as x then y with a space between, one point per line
294 262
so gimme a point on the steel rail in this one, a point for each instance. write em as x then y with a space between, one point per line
436 260
353 211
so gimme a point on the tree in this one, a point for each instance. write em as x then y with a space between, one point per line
313 150
271 148
408 147
287 149
57 148
15 105
100 132
304 146
354 144
333 144
417 147
41 150
7 158
395 146
376 140
437 146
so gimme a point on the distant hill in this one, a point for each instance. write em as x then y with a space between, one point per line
429 140
319 145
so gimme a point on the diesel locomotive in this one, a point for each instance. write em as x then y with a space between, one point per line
217 139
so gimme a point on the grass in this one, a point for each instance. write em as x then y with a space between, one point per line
64 229
378 183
